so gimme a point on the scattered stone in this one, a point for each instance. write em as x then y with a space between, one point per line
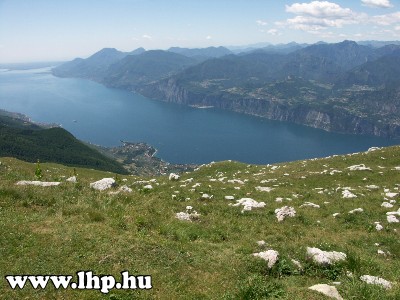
335 215
248 204
327 290
173 176
387 205
205 196
356 210
325 257
283 212
123 188
310 204
378 226
360 167
263 189
373 149
392 219
394 213
271 256
391 195
229 198
372 187
236 181
261 243
72 179
381 252
347 194
376 280
103 184
38 183
190 215
148 187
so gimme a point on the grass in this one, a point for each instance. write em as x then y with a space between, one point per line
70 227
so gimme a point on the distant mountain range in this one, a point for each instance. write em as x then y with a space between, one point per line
346 87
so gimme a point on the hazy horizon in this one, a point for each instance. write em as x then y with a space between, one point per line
44 30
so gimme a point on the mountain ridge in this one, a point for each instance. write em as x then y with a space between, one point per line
320 78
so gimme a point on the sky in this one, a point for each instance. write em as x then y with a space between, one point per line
53 30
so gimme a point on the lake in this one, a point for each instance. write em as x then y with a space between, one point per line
105 116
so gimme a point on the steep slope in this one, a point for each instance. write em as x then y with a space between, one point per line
31 142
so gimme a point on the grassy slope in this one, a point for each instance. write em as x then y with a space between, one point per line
64 229
30 142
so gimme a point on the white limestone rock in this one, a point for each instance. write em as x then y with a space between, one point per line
387 205
376 280
103 184
190 215
360 167
271 256
391 195
325 257
327 290
37 183
283 212
356 210
248 204
173 176
72 179
392 219
310 204
264 189
347 194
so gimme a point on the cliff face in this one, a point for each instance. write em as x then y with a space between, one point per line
332 119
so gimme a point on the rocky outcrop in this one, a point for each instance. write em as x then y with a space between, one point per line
333 118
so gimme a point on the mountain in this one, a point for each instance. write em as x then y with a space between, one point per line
345 55
383 72
326 86
298 87
209 52
378 44
95 66
28 141
134 70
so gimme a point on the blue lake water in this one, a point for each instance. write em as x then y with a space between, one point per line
105 116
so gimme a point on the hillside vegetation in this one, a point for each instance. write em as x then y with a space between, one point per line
71 227
28 141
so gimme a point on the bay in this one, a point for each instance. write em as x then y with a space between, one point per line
105 116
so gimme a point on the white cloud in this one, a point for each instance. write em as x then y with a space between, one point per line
377 3
208 37
385 20
146 36
319 15
273 31
261 23
319 9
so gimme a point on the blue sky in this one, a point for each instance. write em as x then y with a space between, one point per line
43 30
